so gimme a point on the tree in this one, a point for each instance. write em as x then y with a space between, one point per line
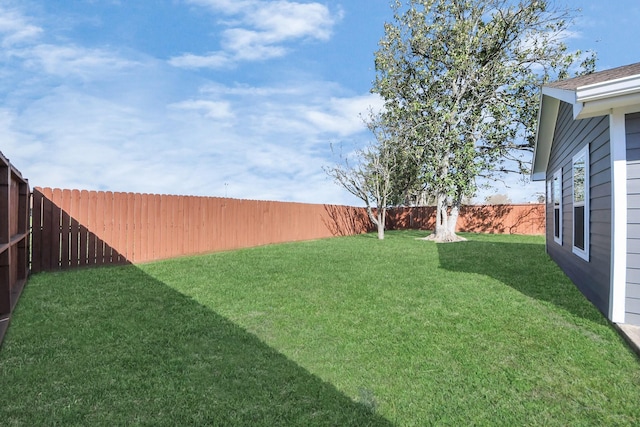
377 175
463 77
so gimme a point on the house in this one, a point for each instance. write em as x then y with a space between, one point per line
587 150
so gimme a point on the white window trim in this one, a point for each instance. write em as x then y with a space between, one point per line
557 174
582 253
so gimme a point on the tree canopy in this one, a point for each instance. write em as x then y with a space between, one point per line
460 81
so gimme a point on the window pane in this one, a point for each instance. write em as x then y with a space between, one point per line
557 193
556 222
579 175
578 227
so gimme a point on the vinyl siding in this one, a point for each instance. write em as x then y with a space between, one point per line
632 301
591 277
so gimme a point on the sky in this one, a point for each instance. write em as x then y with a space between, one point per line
225 98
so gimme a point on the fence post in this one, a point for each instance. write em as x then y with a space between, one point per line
5 247
14 239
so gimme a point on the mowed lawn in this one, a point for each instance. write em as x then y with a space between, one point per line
336 332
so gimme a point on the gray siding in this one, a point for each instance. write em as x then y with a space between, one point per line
632 302
592 277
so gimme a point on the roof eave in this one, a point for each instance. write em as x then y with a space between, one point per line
608 89
547 117
592 100
603 106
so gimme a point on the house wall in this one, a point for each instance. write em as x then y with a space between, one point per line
632 298
591 277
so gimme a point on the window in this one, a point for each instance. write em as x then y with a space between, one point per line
556 197
580 167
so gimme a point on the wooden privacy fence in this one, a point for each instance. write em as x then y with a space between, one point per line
499 219
14 239
73 228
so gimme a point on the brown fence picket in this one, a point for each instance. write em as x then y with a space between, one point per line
48 238
74 229
36 230
108 228
83 236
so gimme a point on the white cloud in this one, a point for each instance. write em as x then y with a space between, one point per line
281 20
310 110
15 28
70 60
252 45
261 30
247 90
214 60
17 144
225 6
344 116
89 142
23 45
212 109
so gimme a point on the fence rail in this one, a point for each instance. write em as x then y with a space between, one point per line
14 239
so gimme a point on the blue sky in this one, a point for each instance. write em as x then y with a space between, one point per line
237 98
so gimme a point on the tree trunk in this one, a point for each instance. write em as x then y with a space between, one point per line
381 222
453 218
378 219
446 221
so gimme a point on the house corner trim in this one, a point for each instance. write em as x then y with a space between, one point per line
618 146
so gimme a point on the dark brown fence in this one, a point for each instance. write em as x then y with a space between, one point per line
14 239
74 228
498 219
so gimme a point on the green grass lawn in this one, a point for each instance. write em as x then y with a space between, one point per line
337 332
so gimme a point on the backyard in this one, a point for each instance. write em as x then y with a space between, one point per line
342 331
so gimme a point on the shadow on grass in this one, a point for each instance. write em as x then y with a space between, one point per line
523 266
114 346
